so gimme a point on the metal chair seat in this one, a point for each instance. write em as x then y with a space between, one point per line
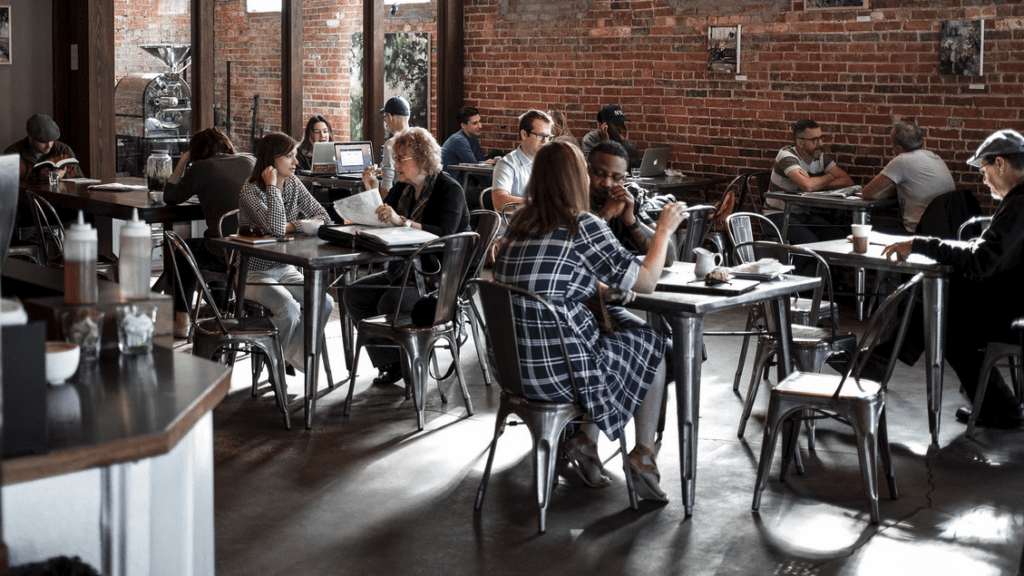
545 420
859 402
416 343
994 352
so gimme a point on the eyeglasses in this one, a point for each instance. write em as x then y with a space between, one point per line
400 160
543 137
816 139
981 167
601 175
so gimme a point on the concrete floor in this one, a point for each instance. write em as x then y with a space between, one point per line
368 494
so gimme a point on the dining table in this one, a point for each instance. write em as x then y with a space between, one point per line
685 312
681 186
317 259
934 291
117 204
860 213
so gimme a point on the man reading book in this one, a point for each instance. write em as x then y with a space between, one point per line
40 151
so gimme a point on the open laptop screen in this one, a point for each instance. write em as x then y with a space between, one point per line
353 157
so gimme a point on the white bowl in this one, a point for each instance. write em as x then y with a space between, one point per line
61 361
310 226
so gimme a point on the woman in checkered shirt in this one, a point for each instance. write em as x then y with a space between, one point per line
273 201
557 248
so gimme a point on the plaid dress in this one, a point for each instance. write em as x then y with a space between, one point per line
613 371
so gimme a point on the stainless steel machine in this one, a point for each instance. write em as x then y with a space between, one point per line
153 110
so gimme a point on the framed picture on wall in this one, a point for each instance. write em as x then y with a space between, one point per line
835 4
962 48
5 34
724 49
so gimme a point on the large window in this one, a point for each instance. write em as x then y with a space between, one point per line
263 5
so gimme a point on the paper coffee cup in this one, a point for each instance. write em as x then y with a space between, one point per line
861 232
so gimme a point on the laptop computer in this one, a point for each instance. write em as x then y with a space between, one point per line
323 158
654 162
352 158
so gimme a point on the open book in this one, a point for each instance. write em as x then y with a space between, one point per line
375 236
56 165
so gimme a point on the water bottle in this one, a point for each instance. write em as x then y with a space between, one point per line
158 169
135 263
80 253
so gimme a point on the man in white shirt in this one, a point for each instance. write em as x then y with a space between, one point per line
512 171
805 167
396 118
914 175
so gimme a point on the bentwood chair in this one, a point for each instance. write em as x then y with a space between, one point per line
416 342
811 346
994 352
220 336
507 309
847 397
50 233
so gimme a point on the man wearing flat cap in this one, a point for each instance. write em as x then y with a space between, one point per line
987 279
611 125
41 145
396 118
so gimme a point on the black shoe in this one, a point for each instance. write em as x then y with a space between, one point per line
388 375
1013 418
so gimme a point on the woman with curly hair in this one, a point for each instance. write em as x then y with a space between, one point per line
424 197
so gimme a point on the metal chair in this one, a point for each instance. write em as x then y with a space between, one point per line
50 232
994 352
717 233
762 181
848 397
695 232
973 227
416 342
545 420
811 346
219 335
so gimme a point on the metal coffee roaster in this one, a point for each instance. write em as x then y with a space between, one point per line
153 110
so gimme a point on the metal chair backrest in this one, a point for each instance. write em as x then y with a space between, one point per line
740 226
451 273
504 309
178 245
8 201
973 227
879 328
762 180
227 224
784 253
49 228
485 224
696 229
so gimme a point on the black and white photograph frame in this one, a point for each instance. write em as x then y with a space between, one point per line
5 34
962 48
724 49
836 4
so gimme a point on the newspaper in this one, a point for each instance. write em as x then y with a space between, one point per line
360 208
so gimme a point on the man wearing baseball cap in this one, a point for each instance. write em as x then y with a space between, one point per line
988 276
41 145
396 113
611 125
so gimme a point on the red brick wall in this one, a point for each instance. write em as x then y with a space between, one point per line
855 78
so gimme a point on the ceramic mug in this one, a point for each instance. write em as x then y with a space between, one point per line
706 262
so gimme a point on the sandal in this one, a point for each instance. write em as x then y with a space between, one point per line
583 454
646 478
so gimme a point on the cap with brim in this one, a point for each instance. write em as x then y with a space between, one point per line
1000 143
396 106
611 113
42 128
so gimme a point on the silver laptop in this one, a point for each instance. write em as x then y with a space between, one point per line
654 162
352 157
323 158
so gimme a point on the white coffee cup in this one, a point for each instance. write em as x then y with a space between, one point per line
861 235
310 226
706 261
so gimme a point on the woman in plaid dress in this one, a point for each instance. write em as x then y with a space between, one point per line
273 201
558 249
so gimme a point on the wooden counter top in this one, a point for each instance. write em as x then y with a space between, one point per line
123 408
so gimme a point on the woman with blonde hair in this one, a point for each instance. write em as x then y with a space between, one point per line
424 197
557 248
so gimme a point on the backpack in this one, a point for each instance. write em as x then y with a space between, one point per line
726 206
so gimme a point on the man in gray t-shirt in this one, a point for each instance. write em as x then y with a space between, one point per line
915 175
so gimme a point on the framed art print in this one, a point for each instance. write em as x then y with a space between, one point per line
962 48
5 34
724 49
835 4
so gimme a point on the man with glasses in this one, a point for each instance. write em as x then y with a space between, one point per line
512 171
619 203
915 175
805 167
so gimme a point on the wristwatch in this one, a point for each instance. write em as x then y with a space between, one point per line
406 222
